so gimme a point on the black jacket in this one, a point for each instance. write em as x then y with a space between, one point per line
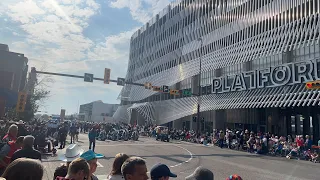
26 153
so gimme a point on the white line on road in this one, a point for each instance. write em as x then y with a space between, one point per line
191 156
99 165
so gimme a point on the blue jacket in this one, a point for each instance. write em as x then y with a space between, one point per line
92 135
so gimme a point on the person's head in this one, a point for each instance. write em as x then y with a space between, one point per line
117 163
19 142
78 169
28 141
134 168
92 159
24 169
13 130
161 172
234 177
201 173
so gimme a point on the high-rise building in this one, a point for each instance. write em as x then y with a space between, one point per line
256 57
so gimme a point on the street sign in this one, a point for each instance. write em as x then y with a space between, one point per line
313 85
165 89
121 81
21 104
107 73
187 92
88 77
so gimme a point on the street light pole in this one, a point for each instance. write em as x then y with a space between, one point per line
199 90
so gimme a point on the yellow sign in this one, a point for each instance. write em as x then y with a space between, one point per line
156 88
21 103
175 92
313 85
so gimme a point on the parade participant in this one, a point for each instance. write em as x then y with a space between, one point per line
92 138
63 133
78 170
134 168
161 172
92 159
27 150
7 151
115 173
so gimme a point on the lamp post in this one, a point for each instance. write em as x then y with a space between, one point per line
200 90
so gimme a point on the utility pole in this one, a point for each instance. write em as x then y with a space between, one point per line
200 90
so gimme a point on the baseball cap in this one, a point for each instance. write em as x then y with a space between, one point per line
201 173
161 170
89 155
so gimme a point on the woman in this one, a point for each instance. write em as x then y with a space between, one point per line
115 173
24 169
11 134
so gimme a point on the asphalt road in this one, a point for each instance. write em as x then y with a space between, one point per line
183 158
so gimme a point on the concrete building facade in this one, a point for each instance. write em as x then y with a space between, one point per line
97 111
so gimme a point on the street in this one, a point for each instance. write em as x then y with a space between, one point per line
183 158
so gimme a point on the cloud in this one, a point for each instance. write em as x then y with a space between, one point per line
141 10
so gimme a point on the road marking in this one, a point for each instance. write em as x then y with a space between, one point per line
99 165
191 157
102 177
179 164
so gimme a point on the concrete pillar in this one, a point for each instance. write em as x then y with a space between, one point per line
194 84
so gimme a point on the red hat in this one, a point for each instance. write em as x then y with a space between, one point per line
234 177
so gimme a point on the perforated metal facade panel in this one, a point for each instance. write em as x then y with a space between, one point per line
237 35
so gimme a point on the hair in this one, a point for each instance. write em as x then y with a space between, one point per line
24 169
20 139
28 141
120 158
128 167
77 165
13 127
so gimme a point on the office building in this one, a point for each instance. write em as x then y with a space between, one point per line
97 111
256 57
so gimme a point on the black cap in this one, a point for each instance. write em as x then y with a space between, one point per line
161 170
201 174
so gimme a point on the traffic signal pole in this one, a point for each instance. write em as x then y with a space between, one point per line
200 90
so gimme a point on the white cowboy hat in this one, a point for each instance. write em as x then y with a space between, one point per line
73 151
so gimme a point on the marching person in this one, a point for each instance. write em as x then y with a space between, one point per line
92 138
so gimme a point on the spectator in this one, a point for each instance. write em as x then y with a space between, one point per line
24 169
2 128
201 173
78 170
22 130
7 151
11 134
92 138
115 173
161 172
73 151
27 150
134 168
92 159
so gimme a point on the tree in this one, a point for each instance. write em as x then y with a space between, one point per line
34 102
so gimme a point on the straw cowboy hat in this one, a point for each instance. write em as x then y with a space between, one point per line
73 151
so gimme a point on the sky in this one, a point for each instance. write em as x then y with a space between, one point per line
75 37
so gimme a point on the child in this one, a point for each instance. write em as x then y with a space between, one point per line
315 157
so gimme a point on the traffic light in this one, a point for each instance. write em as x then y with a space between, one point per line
121 81
156 88
22 99
175 92
107 73
147 85
313 85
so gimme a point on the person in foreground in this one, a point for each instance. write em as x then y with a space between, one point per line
24 169
115 173
134 168
27 150
78 170
201 173
92 159
161 172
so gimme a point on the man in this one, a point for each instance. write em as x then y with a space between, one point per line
78 170
201 173
73 131
134 168
92 159
63 133
161 172
27 150
92 138
7 151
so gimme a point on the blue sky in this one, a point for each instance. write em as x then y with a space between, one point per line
75 36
